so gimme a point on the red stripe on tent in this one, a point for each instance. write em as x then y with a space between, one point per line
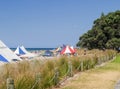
62 52
72 51
67 49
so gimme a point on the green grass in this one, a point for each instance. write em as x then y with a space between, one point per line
117 60
104 77
114 65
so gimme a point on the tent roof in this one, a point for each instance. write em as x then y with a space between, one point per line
19 51
7 53
3 59
23 52
67 50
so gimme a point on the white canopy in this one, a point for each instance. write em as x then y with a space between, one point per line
7 53
22 52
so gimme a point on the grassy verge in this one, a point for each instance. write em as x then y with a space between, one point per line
104 77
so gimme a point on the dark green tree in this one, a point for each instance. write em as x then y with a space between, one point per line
105 33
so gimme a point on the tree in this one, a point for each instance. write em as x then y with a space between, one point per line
113 43
105 33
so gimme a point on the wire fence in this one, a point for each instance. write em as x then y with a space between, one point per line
55 80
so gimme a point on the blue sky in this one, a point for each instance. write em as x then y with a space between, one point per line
49 23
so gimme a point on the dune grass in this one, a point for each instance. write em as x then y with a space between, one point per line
104 77
41 74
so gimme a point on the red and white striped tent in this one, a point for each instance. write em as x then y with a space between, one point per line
68 50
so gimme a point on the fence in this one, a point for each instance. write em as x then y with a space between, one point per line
55 78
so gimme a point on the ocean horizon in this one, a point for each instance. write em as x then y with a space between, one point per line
35 49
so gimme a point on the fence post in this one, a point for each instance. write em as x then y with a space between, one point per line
99 60
10 83
88 64
56 78
85 51
70 71
81 65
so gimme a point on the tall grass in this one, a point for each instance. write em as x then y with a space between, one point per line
40 74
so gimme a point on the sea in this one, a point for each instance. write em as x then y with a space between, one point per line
35 49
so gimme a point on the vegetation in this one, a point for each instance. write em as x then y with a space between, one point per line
44 74
104 77
105 33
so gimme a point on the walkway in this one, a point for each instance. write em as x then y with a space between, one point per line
117 85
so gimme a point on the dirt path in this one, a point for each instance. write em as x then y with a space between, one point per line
104 77
90 80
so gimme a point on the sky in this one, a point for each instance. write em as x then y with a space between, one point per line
49 23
